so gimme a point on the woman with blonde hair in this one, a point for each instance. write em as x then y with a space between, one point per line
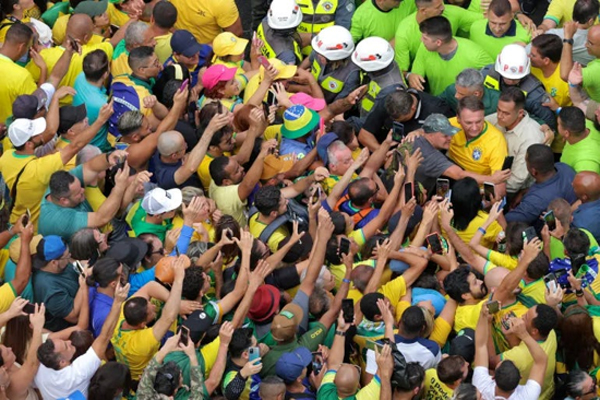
204 229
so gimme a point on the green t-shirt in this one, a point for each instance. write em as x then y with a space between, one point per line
585 154
183 362
481 34
490 99
139 225
591 79
368 20
440 73
408 35
557 249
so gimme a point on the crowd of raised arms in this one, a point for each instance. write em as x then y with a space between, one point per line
310 199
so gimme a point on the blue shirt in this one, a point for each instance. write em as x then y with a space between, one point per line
291 146
100 305
539 196
94 98
205 52
587 217
164 174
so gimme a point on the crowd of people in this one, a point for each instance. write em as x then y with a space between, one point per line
335 199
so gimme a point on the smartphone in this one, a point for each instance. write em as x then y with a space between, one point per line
493 306
508 162
321 125
317 195
503 203
372 345
271 98
29 308
409 191
344 246
489 190
79 268
442 187
184 85
185 335
348 310
125 275
264 62
75 44
529 234
253 353
27 217
506 320
435 243
550 220
317 362
397 131
550 282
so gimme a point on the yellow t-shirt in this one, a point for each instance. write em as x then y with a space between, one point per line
120 65
499 340
273 132
502 260
59 30
522 359
489 239
61 143
257 227
52 55
204 172
117 17
533 292
163 47
434 388
229 202
8 25
33 181
178 223
7 295
96 198
555 86
483 155
205 19
560 11
332 180
467 316
20 82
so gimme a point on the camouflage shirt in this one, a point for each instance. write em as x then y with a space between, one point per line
146 387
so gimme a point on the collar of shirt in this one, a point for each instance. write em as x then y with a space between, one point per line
512 31
521 126
585 206
148 84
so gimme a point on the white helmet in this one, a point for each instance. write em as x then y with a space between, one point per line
284 14
373 54
334 43
513 62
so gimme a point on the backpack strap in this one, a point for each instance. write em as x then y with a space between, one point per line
13 191
265 235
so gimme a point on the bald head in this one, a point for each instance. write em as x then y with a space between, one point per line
587 186
346 380
170 142
494 277
80 27
593 42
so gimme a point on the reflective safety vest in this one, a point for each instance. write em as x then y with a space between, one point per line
333 82
273 44
316 18
378 83
527 84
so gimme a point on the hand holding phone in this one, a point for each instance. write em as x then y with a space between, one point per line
348 310
344 246
442 187
489 190
550 220
253 353
264 62
185 335
409 191
508 162
493 306
435 243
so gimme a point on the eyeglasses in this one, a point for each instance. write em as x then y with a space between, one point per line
156 64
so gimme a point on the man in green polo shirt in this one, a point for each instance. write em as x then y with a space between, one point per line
408 35
499 29
470 83
155 212
582 144
379 18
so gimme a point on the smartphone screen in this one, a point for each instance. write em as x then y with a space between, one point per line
317 195
344 246
550 282
253 353
397 131
442 187
529 234
79 268
29 308
317 362
493 306
409 192
372 345
184 84
508 162
435 243
271 98
489 190
263 61
185 335
348 310
550 220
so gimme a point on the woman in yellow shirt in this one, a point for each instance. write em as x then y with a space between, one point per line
229 51
204 230
220 85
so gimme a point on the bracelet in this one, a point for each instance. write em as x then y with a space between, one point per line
10 230
558 109
579 293
346 280
572 84
483 231
407 75
340 333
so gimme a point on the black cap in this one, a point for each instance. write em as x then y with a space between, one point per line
198 323
299 250
129 251
70 115
464 345
26 106
412 222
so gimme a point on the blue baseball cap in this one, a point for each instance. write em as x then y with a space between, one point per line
323 144
183 42
289 367
50 248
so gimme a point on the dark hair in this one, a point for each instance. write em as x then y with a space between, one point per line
465 391
240 341
415 375
83 245
82 340
214 92
539 266
585 10
471 103
500 7
193 282
18 34
332 251
359 191
437 26
17 336
267 199
104 272
344 131
164 14
507 376
577 323
135 311
108 380
8 7
47 356
548 45
573 120
339 223
466 202
546 319
456 283
413 320
167 378
95 65
512 94
541 158
168 92
398 103
229 251
59 184
139 56
577 246
206 114
449 369
318 302
217 169
514 237
368 305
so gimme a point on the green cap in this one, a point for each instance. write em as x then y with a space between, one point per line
91 8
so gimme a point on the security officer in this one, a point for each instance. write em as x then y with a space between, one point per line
513 69
278 32
320 14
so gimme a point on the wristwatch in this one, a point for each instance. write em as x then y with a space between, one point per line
568 41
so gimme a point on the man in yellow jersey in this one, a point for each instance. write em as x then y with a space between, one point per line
206 19
120 12
545 56
478 147
441 381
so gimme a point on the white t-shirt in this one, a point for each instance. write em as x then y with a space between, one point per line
58 384
420 350
487 386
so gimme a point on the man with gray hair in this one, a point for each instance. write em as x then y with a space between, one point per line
470 83
137 34
580 385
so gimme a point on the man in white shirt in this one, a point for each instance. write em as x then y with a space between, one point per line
57 377
520 132
505 384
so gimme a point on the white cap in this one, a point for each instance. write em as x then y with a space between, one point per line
334 43
513 62
21 130
284 14
373 54
159 201
44 32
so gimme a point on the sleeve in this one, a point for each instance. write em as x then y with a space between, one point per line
137 281
466 18
77 172
585 165
418 66
314 337
394 290
356 27
86 366
516 353
533 105
209 354
436 164
447 96
499 154
371 391
500 259
46 166
198 389
227 13
146 387
482 380
7 296
233 385
482 58
441 331
184 240
527 210
301 299
402 49
343 13
555 11
375 120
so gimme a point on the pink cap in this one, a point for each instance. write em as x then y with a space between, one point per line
308 101
217 73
